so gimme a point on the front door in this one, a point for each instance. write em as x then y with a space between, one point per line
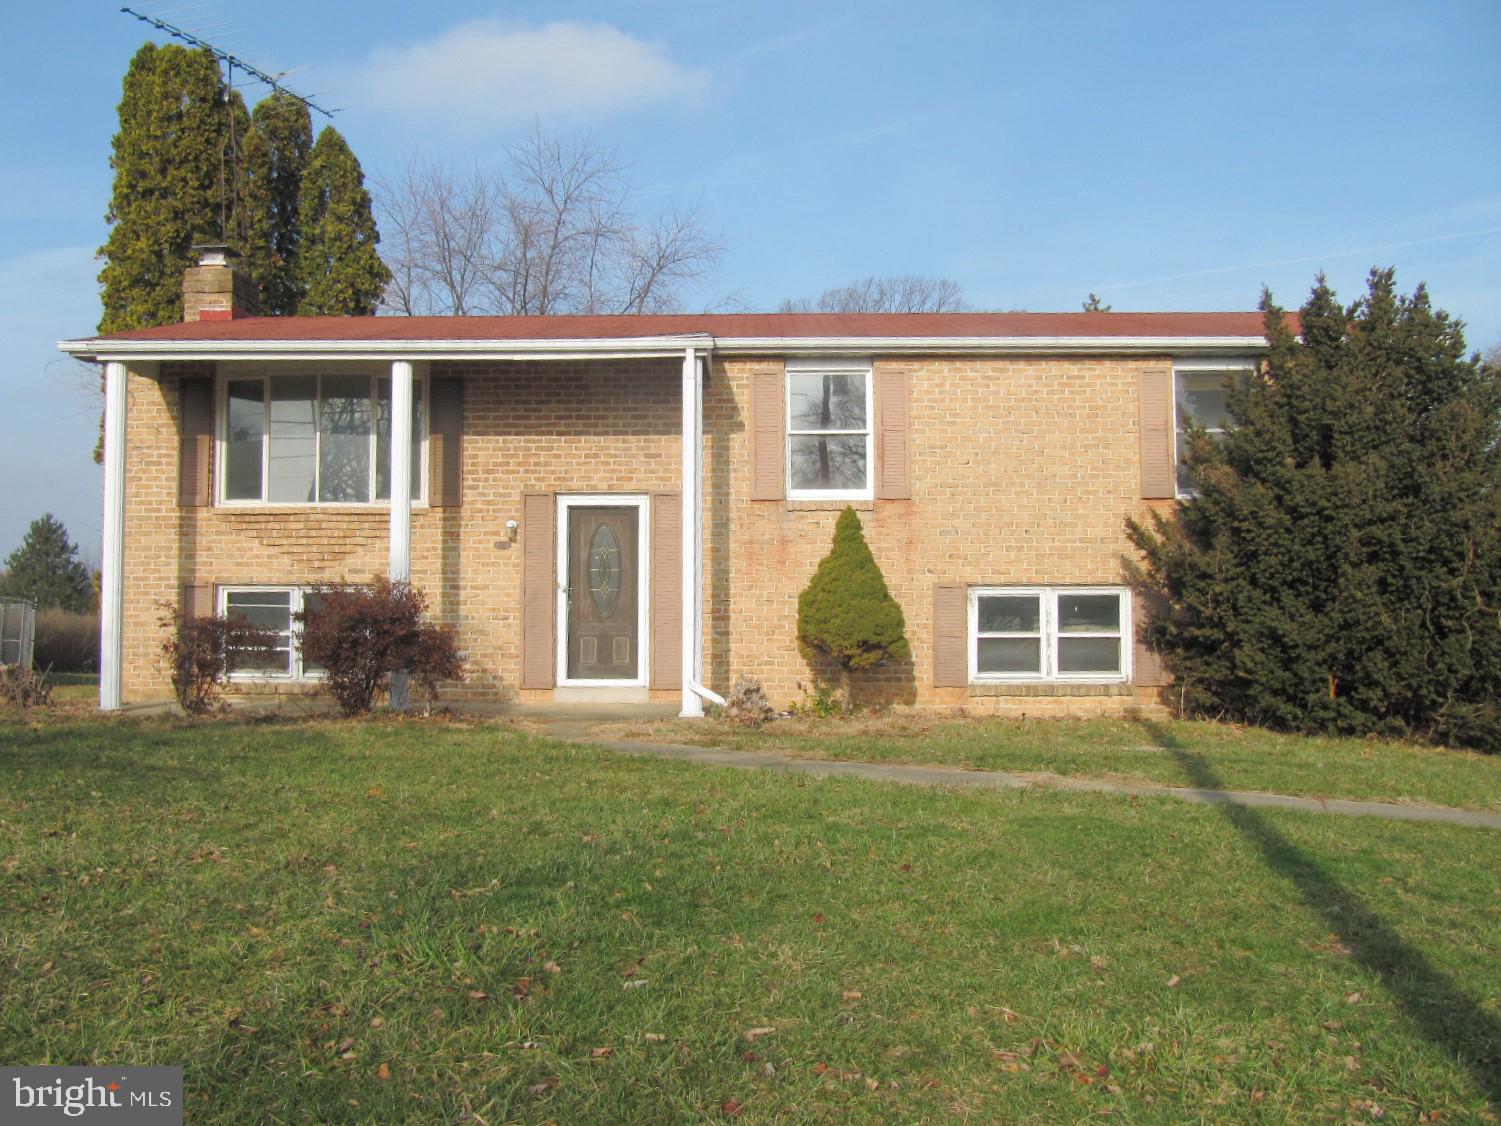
601 594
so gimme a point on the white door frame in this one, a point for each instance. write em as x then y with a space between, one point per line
643 555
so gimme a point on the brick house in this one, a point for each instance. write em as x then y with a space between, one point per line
629 506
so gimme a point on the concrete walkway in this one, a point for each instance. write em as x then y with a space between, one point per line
993 779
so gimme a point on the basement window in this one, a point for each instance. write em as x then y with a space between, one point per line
272 607
1049 634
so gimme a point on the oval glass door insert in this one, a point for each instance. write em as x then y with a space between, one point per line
604 570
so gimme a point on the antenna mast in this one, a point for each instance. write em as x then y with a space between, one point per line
229 182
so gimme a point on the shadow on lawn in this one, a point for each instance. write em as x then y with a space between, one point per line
1441 1011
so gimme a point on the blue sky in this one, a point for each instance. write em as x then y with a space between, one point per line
1166 156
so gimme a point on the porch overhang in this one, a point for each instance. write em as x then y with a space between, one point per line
106 350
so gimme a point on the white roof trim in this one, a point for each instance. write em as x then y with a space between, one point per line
646 346
591 349
887 345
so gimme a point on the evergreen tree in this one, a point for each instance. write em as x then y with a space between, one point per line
171 158
338 269
46 569
276 156
847 612
1339 568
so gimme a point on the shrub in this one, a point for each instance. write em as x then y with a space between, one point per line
847 612
24 687
200 652
747 704
1338 568
363 634
66 642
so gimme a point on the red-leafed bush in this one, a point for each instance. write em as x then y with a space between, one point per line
363 634
200 652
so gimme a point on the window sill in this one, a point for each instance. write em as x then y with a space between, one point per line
830 504
379 507
1050 688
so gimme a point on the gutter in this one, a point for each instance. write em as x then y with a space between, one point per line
660 347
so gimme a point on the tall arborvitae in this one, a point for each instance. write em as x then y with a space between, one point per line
1339 568
338 268
169 164
276 158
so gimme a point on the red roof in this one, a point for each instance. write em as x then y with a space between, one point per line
728 325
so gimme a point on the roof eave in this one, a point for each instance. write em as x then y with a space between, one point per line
105 349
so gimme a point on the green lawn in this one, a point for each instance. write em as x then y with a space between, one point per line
1122 750
429 921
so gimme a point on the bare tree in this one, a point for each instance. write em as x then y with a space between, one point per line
893 294
552 231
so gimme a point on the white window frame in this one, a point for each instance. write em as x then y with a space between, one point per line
221 438
1231 366
642 504
297 672
864 369
1048 623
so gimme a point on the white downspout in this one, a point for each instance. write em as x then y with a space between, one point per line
400 566
697 683
112 565
692 508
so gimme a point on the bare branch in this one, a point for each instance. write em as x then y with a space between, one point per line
552 231
892 294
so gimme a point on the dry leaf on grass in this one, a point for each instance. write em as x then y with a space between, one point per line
756 1033
543 1087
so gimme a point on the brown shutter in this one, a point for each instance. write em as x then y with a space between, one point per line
950 635
666 590
197 601
445 443
538 591
196 446
1158 479
768 392
893 432
1147 668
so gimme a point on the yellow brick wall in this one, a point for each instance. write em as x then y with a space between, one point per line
1023 471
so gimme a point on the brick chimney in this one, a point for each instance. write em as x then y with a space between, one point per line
214 290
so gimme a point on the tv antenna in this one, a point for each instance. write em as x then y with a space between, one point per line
230 61
229 158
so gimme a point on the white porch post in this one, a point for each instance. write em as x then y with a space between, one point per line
400 569
112 565
692 507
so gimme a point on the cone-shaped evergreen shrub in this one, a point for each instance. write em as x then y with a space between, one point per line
846 612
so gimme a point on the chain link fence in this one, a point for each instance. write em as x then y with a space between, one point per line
17 631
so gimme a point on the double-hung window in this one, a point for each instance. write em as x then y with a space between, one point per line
1049 634
313 439
1201 392
272 608
830 449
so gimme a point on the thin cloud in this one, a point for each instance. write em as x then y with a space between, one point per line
489 73
1302 260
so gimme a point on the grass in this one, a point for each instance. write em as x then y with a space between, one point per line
399 921
1121 750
